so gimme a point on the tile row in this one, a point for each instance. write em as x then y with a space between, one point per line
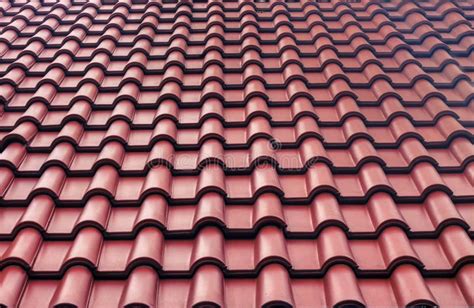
404 159
70 58
327 11
379 90
411 73
400 128
462 46
370 179
300 21
364 10
445 254
426 219
51 118
208 287
121 30
413 29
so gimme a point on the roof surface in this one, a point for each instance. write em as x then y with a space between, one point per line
237 154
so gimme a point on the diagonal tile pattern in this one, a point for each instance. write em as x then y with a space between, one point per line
236 153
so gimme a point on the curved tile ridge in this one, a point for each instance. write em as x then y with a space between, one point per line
425 219
172 88
213 108
143 72
273 285
318 178
280 29
447 128
181 257
140 50
285 160
139 57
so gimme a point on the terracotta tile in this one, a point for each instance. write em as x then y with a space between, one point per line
305 154
269 245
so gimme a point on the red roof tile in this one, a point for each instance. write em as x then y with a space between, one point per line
236 153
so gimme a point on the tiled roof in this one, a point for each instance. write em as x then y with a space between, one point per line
236 153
